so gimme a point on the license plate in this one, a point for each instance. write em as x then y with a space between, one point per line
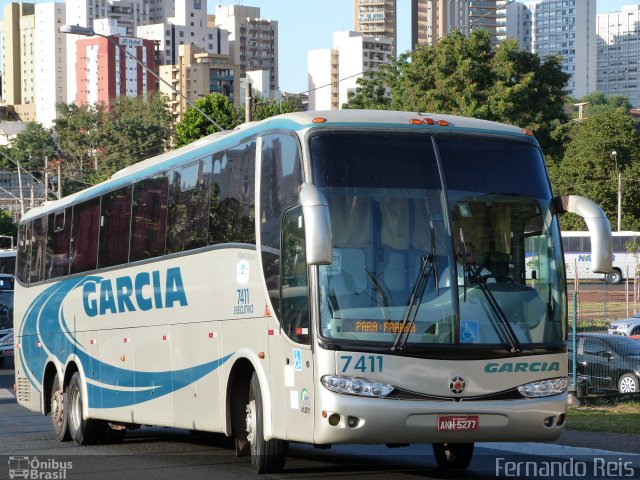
458 423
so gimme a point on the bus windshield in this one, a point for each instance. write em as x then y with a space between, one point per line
415 263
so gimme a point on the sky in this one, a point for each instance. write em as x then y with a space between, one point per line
309 24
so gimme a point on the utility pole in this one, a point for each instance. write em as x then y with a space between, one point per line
247 102
20 187
59 181
46 177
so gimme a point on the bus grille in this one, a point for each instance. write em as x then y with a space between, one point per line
24 390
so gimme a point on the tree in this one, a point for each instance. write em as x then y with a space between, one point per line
263 108
7 226
598 102
465 76
587 167
32 145
194 125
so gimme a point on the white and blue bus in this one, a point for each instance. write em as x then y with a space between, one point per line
577 256
307 279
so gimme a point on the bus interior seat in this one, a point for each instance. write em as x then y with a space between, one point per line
394 240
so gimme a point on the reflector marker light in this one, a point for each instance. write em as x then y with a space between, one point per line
443 123
126 340
92 342
429 121
302 331
212 335
38 344
526 131
165 337
415 121
319 120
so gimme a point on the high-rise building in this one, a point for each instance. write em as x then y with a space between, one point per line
253 41
560 27
196 74
105 70
33 60
376 18
490 15
433 19
619 53
333 73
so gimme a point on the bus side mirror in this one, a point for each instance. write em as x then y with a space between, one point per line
317 222
599 228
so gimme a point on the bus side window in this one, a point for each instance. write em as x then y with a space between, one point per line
115 226
58 238
280 180
188 219
231 207
149 218
38 249
294 292
24 252
84 236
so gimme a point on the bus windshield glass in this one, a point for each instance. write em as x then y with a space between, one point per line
413 264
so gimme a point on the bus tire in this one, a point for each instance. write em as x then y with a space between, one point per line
628 383
453 456
266 456
83 432
58 412
615 277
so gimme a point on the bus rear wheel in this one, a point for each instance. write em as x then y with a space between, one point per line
615 277
453 455
266 456
83 432
58 412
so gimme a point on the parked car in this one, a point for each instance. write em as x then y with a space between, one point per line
626 326
6 345
607 362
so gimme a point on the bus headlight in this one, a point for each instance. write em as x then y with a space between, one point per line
356 386
544 388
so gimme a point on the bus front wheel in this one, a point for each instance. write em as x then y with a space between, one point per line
453 455
615 277
266 456
83 432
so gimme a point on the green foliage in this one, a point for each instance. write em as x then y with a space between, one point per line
32 145
598 102
8 227
465 76
265 108
588 168
194 125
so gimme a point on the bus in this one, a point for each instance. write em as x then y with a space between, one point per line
296 280
8 261
577 256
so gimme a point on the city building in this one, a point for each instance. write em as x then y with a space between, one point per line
106 67
490 15
253 41
196 74
333 73
559 27
618 47
433 19
376 18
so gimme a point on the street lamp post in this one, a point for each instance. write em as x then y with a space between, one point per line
614 157
89 32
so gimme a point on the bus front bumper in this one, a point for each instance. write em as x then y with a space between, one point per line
352 419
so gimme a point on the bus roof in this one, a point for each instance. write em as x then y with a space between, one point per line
290 121
576 233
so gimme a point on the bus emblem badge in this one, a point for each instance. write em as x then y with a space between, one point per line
457 384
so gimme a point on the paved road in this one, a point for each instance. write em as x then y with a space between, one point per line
166 453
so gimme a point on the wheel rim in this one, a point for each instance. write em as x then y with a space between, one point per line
57 406
627 385
76 408
251 424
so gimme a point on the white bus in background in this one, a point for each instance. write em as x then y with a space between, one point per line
577 251
296 279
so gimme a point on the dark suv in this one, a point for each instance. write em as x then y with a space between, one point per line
607 362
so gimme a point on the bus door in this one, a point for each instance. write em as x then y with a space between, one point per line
292 357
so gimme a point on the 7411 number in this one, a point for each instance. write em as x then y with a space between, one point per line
363 363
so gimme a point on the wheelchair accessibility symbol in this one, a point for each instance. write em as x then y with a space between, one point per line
469 331
297 360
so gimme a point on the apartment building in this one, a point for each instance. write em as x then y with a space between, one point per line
560 27
618 45
196 74
253 41
333 73
433 19
490 15
376 18
109 67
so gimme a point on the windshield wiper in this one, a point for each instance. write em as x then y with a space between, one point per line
491 300
428 267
